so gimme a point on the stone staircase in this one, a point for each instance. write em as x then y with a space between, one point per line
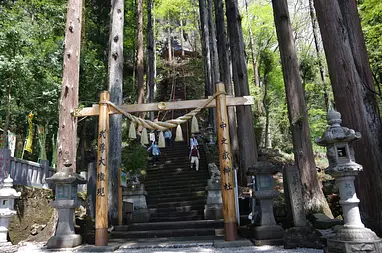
176 198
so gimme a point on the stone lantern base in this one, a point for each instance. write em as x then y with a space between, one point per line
137 196
349 240
64 241
268 235
213 210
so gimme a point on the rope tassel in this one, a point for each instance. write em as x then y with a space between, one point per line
179 134
161 142
132 131
194 125
144 139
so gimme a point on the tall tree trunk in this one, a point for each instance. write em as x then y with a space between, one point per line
115 89
355 100
256 79
313 20
246 133
140 67
151 57
206 55
266 109
215 75
181 38
314 199
169 46
7 116
225 75
82 163
67 130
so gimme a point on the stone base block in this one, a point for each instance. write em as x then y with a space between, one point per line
303 237
350 247
268 232
354 240
213 213
271 242
232 244
140 216
64 241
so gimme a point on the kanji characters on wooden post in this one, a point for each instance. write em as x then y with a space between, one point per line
101 233
226 171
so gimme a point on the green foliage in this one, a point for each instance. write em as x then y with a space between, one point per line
134 157
31 39
371 17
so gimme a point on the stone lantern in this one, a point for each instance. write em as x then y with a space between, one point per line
66 182
210 131
353 237
7 198
268 233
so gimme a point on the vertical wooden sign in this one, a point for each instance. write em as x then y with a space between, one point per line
101 224
226 170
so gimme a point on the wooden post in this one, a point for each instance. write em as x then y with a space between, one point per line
101 234
226 170
120 196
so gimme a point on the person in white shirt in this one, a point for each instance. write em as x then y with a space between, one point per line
193 142
152 137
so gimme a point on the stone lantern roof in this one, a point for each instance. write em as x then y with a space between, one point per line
263 167
336 133
66 176
7 192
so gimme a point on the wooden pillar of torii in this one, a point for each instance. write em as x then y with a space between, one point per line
103 110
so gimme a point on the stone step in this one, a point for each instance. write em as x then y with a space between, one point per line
175 179
166 199
171 225
176 194
162 233
159 215
177 219
176 169
171 204
197 184
177 209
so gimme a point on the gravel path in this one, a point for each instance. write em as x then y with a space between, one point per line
39 248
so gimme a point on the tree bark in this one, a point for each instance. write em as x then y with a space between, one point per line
169 46
7 117
246 133
225 75
67 131
356 101
206 50
256 79
140 67
215 75
181 38
115 89
314 199
313 20
151 57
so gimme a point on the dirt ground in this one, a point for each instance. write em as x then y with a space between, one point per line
34 219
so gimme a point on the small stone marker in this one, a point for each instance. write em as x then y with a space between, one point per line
295 194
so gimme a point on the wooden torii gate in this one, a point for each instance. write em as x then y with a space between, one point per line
104 109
